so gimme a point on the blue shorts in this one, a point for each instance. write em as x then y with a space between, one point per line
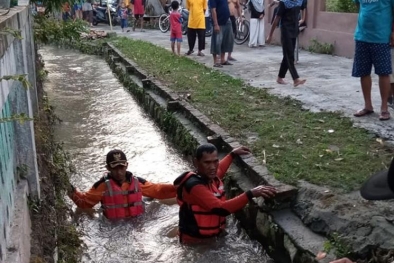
368 54
179 40
123 23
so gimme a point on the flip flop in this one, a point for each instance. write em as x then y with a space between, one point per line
189 53
217 65
363 112
200 54
226 63
384 116
231 59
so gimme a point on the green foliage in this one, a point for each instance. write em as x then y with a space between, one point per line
21 118
9 31
341 6
321 48
50 30
51 5
337 243
22 78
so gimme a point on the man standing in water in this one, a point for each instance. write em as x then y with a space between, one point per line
200 194
119 191
288 14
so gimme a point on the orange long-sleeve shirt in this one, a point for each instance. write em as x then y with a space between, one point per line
94 195
201 195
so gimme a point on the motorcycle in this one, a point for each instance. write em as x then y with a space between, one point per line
100 15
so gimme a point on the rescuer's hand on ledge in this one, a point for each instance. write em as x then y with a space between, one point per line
264 191
240 151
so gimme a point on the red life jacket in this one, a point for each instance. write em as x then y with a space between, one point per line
122 204
193 219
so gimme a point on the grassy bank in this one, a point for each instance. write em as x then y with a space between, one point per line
52 231
322 148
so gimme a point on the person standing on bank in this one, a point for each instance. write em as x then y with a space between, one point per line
201 196
119 191
257 37
138 11
222 40
373 35
196 25
288 16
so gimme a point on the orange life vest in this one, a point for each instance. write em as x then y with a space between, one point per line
118 203
193 219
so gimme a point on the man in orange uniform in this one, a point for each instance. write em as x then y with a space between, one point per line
119 191
201 196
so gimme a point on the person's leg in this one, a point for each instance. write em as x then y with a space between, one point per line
253 32
284 65
201 41
136 18
234 31
381 59
261 33
227 44
191 39
142 22
178 46
362 66
173 45
290 63
215 48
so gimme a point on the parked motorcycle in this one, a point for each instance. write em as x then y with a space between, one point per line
100 15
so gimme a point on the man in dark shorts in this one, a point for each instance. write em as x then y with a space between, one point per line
222 40
235 9
373 37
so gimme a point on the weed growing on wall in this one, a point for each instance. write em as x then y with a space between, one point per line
341 6
321 48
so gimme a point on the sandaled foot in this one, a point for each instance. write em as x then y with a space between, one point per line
281 81
189 52
231 59
226 63
200 54
363 112
384 116
299 82
217 65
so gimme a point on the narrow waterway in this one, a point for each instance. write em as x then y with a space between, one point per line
99 115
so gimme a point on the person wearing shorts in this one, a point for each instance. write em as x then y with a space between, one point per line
139 11
176 27
222 40
373 36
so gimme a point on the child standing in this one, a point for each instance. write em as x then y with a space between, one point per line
176 28
123 13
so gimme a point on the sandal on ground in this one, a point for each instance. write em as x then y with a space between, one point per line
200 54
217 65
384 116
231 59
189 52
363 112
226 63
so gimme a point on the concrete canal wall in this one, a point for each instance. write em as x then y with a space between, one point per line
273 224
18 165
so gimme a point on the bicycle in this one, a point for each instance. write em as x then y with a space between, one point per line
243 28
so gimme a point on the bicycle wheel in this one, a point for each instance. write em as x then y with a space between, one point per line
164 23
242 34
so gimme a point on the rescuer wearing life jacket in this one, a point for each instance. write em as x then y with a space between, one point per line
200 194
119 191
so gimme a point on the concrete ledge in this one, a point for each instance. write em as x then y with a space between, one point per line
18 247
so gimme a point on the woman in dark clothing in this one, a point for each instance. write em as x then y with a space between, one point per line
257 38
288 15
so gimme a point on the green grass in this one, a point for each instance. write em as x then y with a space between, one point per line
295 143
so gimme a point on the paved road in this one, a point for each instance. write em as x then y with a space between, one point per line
329 85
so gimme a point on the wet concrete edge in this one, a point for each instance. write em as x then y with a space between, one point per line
297 248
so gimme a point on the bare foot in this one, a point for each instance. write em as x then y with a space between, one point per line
298 82
281 81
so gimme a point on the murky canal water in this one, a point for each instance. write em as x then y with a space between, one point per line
99 115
